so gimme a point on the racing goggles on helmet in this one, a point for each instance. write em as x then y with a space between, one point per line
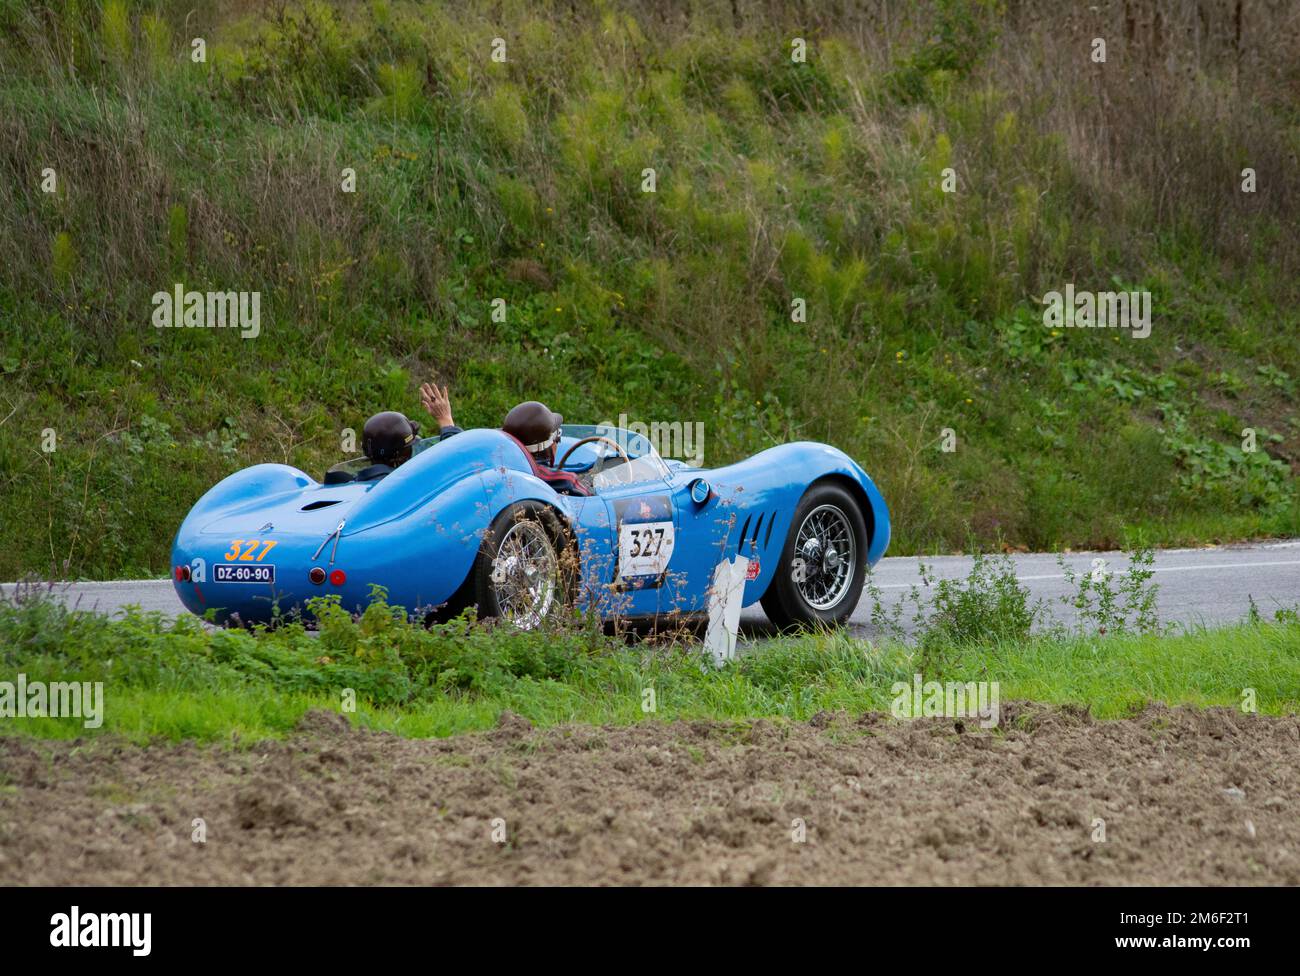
543 445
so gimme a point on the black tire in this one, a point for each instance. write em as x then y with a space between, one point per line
539 527
787 602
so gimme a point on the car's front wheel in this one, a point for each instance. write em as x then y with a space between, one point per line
519 574
823 562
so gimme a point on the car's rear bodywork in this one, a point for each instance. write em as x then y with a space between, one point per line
259 541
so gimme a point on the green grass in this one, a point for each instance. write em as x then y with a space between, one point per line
1115 675
166 681
775 181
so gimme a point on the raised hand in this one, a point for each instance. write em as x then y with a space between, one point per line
435 400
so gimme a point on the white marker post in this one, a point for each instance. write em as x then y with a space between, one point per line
725 599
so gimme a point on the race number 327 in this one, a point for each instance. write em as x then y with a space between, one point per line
243 549
644 548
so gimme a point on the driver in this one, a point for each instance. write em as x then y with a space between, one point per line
534 425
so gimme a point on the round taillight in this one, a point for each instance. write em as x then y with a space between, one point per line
176 571
338 577
317 575
185 573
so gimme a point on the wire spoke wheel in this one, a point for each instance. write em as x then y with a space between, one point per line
825 554
823 561
525 575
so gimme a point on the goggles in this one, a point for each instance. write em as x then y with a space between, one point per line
543 445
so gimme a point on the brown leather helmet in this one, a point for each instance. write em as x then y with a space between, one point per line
388 436
536 426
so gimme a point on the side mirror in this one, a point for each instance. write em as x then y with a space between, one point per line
701 491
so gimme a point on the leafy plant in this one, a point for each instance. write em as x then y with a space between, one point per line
1105 603
990 604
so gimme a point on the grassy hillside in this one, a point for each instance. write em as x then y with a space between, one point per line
775 181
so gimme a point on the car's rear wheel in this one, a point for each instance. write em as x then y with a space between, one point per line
823 562
519 574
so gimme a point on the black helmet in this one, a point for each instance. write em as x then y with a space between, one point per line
535 425
387 438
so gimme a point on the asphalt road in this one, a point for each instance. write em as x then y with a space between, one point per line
1210 586
1196 586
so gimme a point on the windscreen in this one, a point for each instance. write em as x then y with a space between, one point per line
603 463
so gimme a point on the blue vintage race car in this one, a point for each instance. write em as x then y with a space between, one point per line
469 521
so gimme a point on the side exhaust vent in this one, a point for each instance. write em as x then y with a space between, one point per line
748 541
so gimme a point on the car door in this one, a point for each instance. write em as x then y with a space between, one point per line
643 540
666 545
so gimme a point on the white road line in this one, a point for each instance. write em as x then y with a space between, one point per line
1086 570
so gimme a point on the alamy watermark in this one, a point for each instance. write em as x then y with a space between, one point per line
179 308
675 439
947 699
74 929
1099 310
55 699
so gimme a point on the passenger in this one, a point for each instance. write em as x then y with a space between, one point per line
386 441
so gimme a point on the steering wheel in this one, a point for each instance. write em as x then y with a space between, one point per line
589 440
